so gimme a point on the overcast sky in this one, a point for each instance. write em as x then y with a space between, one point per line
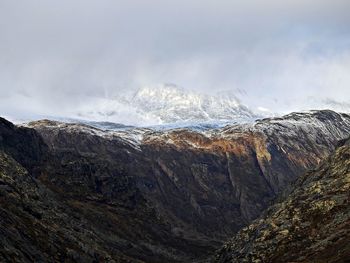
284 55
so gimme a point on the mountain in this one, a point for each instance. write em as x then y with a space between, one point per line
168 104
172 104
312 224
37 223
77 193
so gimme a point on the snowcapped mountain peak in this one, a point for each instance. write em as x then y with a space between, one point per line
172 104
171 94
165 91
168 104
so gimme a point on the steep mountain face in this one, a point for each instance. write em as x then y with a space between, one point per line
311 225
24 144
38 225
79 207
229 176
155 196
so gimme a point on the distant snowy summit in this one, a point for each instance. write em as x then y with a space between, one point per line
169 104
172 104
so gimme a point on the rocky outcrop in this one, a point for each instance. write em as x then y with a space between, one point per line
311 225
154 196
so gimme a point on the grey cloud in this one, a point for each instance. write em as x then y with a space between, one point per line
56 54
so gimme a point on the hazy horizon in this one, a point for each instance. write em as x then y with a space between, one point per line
59 58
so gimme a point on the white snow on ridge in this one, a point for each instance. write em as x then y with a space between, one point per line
315 125
167 104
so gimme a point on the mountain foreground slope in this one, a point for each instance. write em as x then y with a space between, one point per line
312 224
80 194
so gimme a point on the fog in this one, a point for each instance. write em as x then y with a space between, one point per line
57 56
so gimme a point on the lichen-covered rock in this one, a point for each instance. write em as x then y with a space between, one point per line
311 225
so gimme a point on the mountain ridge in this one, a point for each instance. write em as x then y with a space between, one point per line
153 195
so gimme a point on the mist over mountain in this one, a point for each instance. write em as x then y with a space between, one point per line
166 104
62 57
155 131
169 104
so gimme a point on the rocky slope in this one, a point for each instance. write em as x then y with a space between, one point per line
311 225
37 225
155 196
79 207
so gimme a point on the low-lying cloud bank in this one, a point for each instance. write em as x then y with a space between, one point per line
59 57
